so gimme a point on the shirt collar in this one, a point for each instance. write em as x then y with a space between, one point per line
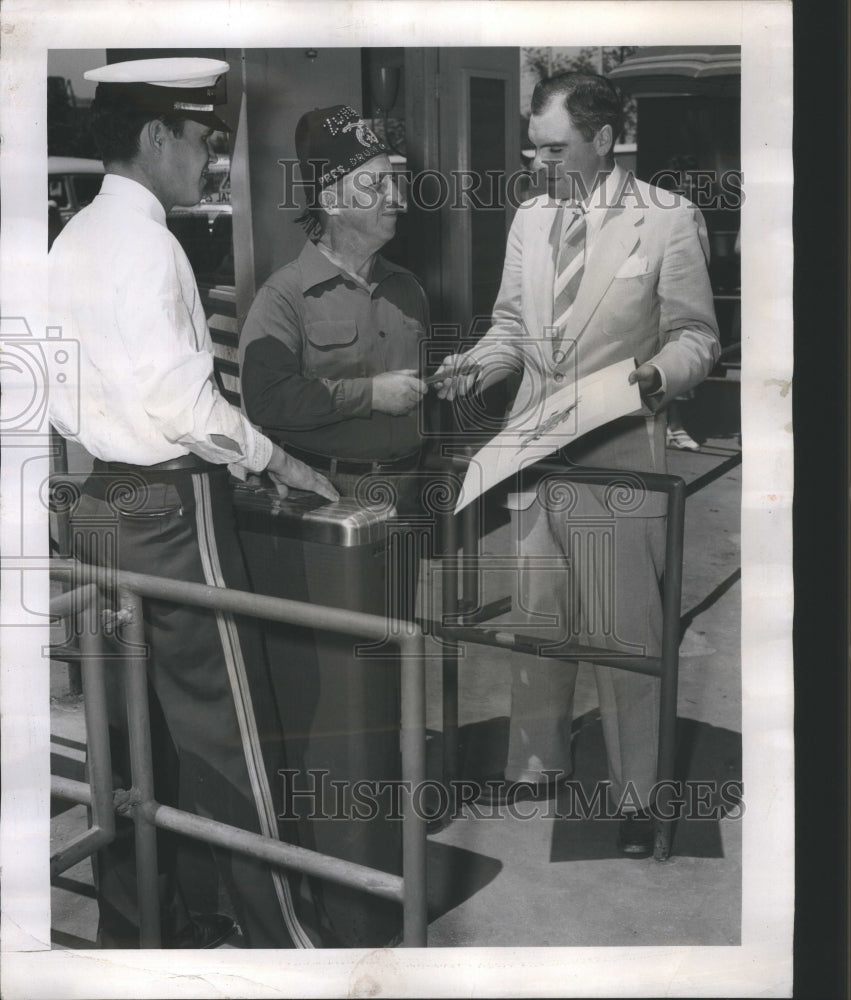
136 194
603 196
317 268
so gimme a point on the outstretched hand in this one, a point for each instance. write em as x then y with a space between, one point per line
456 376
286 471
398 392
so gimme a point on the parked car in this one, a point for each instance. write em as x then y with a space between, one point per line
72 182
205 231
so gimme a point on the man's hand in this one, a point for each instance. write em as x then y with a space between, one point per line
455 377
286 471
648 377
397 393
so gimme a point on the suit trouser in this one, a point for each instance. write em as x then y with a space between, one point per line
593 581
215 730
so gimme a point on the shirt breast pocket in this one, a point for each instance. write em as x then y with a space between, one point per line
334 349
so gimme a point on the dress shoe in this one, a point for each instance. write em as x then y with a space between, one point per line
208 930
497 790
635 835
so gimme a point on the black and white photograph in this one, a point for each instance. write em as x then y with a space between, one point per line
396 543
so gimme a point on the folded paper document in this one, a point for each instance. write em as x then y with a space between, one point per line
559 420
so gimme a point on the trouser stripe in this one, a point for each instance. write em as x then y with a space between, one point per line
242 701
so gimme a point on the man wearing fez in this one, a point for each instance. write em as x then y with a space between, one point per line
329 356
162 438
329 353
601 269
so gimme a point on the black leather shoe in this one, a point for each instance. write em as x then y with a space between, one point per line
208 930
497 790
635 835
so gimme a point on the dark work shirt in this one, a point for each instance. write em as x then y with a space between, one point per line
311 343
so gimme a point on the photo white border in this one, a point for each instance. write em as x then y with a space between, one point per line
761 966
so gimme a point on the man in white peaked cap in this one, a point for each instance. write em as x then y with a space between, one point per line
162 437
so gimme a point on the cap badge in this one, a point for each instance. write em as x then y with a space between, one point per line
363 133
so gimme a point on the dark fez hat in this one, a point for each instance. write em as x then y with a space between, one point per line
185 87
334 141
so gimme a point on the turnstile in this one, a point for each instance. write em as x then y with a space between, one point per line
339 705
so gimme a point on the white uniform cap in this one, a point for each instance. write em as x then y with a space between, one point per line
172 72
186 86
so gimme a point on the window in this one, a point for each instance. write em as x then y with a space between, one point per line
57 191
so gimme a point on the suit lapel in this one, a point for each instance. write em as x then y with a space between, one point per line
614 242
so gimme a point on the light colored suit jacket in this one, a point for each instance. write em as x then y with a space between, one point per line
645 294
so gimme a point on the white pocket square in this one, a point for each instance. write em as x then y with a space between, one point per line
633 267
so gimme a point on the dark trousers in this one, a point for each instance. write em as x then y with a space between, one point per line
215 730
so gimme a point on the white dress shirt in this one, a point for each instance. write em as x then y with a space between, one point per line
122 287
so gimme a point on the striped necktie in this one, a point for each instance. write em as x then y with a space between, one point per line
569 269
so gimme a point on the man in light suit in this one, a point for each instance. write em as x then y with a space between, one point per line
600 269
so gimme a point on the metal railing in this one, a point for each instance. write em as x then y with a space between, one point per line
461 622
409 889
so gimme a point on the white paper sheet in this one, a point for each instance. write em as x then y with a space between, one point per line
564 417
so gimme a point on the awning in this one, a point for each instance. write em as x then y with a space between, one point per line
668 70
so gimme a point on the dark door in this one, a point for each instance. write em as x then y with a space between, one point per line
464 125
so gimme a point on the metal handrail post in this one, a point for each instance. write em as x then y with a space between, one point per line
141 765
470 534
99 761
449 650
415 904
61 544
148 814
98 754
671 597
